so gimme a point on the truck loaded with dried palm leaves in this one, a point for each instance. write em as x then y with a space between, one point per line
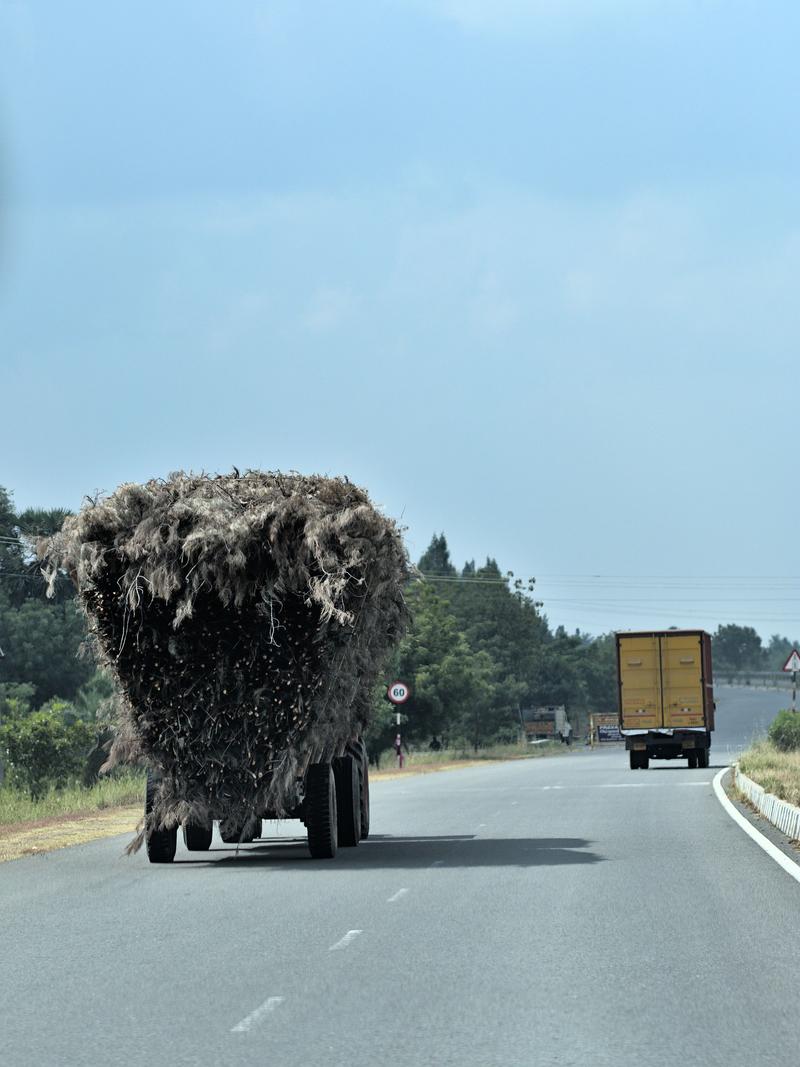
246 620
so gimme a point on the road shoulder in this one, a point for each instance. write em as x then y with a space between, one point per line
777 846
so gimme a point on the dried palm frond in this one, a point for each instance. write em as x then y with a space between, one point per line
245 620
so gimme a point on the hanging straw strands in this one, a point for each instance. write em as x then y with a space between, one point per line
246 620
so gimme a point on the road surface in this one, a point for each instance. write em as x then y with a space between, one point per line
555 911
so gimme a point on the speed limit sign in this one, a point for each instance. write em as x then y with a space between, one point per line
398 692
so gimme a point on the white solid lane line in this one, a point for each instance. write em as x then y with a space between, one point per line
257 1016
351 935
771 850
396 896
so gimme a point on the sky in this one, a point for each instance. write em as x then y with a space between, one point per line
525 270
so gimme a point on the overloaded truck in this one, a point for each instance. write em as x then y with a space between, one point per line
246 620
666 696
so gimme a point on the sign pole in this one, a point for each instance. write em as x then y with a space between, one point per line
793 664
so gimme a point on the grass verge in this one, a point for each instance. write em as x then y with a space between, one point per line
777 772
124 789
424 761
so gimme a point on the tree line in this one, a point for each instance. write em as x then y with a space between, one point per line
478 653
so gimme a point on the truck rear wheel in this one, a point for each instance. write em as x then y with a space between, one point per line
702 757
160 843
692 760
363 774
320 811
197 836
348 800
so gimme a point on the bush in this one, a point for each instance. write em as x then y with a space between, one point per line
784 732
44 750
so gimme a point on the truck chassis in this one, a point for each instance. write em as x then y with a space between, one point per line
331 799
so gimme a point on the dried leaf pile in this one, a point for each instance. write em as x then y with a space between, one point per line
246 620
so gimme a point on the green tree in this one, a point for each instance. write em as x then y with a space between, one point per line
41 641
435 560
738 648
44 749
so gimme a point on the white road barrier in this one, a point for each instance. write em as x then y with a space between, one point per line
779 812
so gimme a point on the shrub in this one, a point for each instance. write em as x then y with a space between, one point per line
43 750
784 732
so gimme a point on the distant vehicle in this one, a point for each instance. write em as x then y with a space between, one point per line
666 698
545 723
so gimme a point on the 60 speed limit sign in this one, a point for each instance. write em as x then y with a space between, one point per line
398 692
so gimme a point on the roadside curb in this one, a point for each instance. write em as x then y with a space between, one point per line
791 868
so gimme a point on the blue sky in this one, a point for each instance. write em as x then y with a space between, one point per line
527 271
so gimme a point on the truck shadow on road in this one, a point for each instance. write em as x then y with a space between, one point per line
407 853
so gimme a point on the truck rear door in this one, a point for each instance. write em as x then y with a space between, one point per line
682 679
640 681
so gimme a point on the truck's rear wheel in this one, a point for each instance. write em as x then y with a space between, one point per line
702 757
644 761
363 774
638 760
160 843
197 836
692 760
320 811
348 800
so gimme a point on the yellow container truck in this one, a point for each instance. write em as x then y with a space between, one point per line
666 696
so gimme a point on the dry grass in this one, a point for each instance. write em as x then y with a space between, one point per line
25 839
245 618
777 772
451 759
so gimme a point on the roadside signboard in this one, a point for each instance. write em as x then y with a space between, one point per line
792 666
398 692
607 727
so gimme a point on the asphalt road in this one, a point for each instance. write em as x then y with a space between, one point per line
552 911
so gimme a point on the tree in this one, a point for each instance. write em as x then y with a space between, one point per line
44 749
435 560
41 642
738 648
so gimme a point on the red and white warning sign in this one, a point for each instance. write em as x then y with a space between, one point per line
398 692
793 662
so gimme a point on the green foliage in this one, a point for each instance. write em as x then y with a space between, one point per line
92 698
41 641
778 651
44 748
16 700
784 731
738 648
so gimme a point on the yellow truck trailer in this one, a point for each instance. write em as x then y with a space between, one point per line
666 697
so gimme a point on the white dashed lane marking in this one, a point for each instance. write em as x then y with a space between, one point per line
257 1016
351 935
396 896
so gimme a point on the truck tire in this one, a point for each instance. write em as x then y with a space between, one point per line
692 760
237 835
348 800
320 811
635 760
702 758
160 843
197 836
644 761
363 776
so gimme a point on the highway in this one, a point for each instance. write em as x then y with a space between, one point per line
554 911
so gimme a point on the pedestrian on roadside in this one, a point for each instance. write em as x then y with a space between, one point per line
566 733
